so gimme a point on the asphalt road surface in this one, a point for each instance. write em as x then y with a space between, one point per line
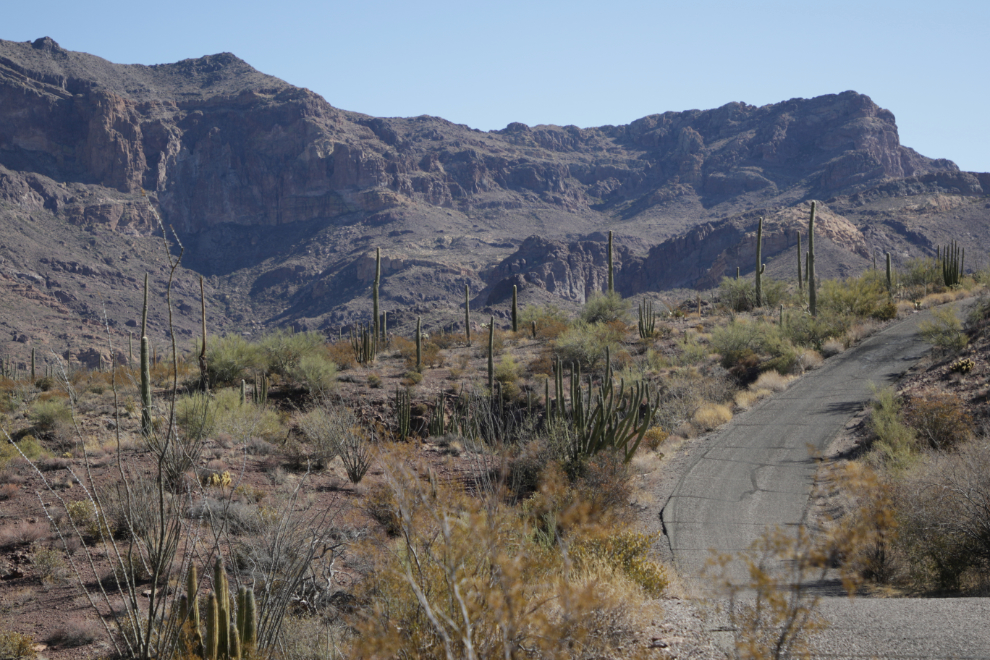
758 471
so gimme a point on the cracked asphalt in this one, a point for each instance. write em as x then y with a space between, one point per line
758 470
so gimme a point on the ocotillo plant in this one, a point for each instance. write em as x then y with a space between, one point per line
810 270
419 343
374 292
760 266
202 350
467 313
800 281
515 309
611 269
491 356
145 367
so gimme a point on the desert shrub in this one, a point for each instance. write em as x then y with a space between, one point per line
341 353
49 415
200 415
445 340
944 513
231 358
73 634
771 380
584 344
740 341
551 321
626 551
813 331
49 566
605 307
7 491
283 349
483 581
316 373
940 420
507 375
923 272
853 296
712 415
381 506
654 437
16 646
832 347
228 515
978 319
334 431
894 443
944 331
738 295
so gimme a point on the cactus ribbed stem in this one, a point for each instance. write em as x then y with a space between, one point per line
145 388
759 265
419 343
374 292
223 608
800 280
890 280
212 632
202 351
810 270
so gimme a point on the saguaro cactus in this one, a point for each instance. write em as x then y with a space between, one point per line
800 281
760 266
611 270
812 287
145 367
212 628
419 343
202 350
467 313
223 608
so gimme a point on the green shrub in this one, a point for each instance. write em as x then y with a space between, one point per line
15 646
542 314
944 331
200 415
895 444
284 349
740 341
814 331
316 373
231 358
921 272
738 295
584 343
605 307
855 296
48 415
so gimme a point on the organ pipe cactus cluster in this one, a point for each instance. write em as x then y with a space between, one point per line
952 260
760 266
403 414
810 270
229 634
607 419
647 319
438 421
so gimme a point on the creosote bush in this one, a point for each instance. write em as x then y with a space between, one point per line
944 331
605 307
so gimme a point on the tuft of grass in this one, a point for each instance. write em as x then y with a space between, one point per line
771 380
711 415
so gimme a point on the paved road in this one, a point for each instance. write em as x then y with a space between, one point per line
758 471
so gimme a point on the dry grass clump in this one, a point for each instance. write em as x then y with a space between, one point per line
711 415
810 359
833 347
771 380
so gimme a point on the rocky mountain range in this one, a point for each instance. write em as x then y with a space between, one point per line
279 199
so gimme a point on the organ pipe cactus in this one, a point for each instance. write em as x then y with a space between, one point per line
760 266
952 258
403 414
647 319
810 270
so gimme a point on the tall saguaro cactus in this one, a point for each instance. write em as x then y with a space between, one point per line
419 343
890 279
800 281
202 350
760 266
611 268
812 287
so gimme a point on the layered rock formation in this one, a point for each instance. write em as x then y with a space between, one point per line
280 197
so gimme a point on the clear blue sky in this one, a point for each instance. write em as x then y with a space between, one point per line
487 64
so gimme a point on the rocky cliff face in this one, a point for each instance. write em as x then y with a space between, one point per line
280 197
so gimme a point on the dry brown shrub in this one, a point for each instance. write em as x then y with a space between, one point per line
711 415
771 380
549 329
341 353
940 419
